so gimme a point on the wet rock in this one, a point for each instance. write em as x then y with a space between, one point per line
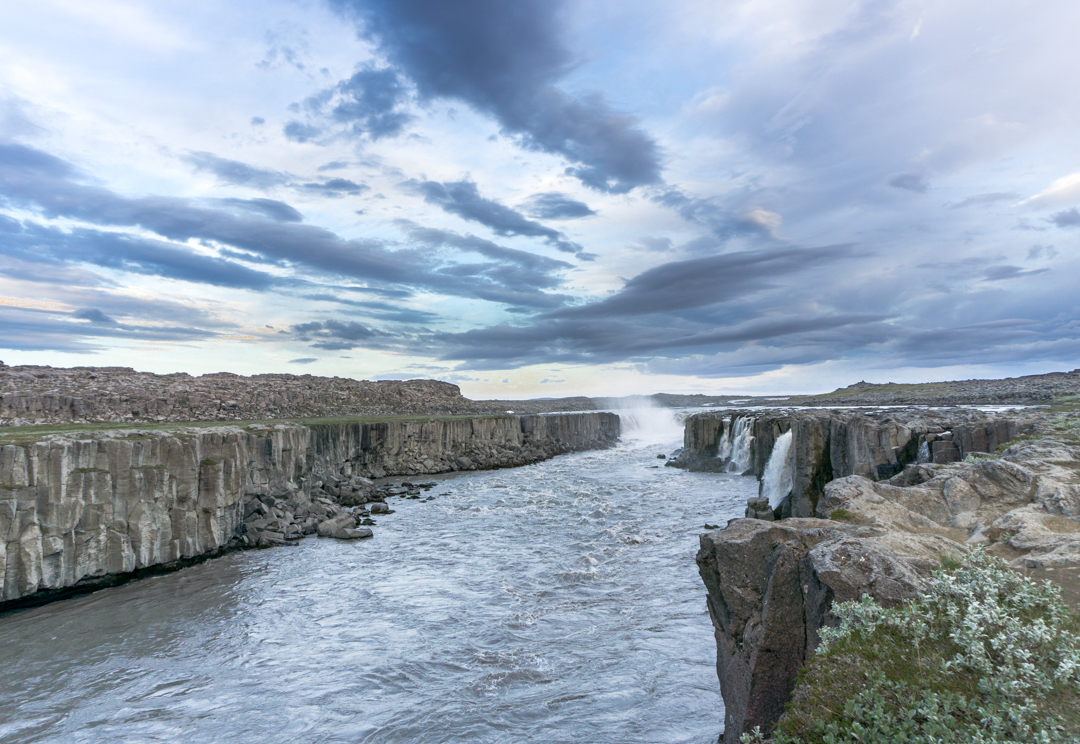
343 521
758 508
378 508
352 534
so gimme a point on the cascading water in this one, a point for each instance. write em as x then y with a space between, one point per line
741 439
924 451
776 482
723 450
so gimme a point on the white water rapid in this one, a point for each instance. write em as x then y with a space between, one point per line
776 482
741 439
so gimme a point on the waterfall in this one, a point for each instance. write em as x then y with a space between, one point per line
741 438
924 451
723 450
776 482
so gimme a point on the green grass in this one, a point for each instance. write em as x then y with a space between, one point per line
983 655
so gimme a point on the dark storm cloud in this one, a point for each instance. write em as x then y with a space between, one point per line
555 206
504 59
32 178
337 187
463 199
235 172
1067 218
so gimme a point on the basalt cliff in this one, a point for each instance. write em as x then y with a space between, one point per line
83 510
867 502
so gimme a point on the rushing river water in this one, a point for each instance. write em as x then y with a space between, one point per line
558 602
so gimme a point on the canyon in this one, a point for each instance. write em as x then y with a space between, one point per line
81 510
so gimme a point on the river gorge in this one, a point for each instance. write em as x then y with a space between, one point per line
558 601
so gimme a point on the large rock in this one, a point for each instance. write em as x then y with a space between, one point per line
771 586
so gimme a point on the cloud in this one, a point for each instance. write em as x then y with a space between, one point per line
303 360
298 131
989 198
32 241
552 205
1066 218
36 330
271 208
909 182
235 172
371 102
1063 190
683 285
33 178
335 335
504 59
463 199
336 187
94 316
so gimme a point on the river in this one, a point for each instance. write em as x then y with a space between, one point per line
557 602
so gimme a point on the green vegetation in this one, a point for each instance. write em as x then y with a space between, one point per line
983 655
841 515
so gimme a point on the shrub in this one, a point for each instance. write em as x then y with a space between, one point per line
982 655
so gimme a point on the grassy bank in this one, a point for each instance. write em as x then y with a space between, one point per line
983 655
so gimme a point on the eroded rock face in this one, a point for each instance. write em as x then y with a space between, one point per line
833 444
771 586
1025 504
79 509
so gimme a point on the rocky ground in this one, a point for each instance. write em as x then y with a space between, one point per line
339 507
52 395
1029 390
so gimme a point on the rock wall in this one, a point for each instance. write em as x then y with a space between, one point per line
771 586
79 511
833 444
442 445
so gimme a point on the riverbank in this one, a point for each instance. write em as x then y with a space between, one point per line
79 510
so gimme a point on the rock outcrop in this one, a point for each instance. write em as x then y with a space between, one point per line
771 586
51 395
833 444
82 510
772 580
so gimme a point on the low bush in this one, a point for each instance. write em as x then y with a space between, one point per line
983 655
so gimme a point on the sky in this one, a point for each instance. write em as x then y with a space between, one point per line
542 198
